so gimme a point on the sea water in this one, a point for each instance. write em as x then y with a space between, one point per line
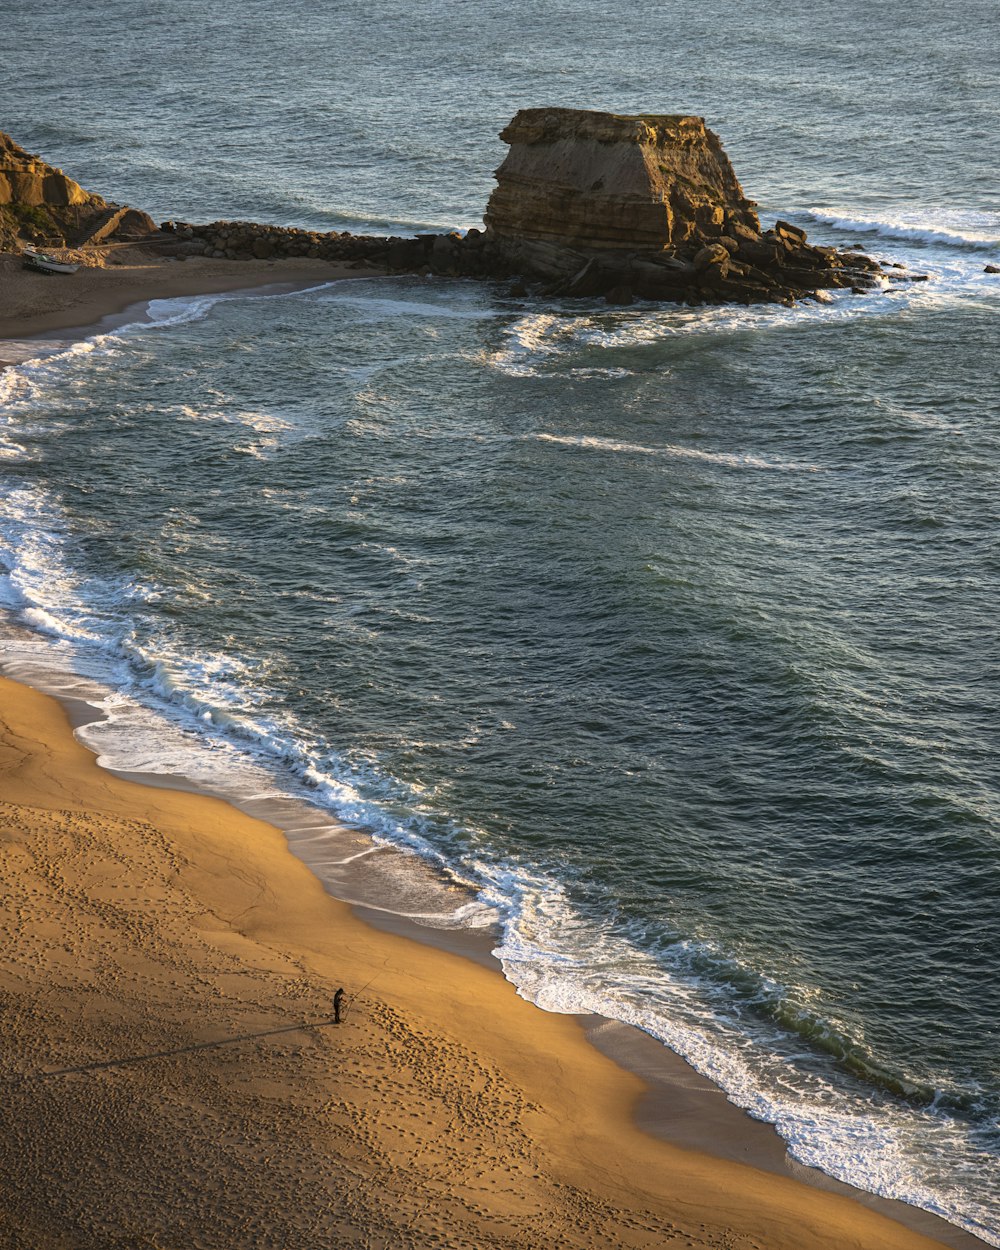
663 639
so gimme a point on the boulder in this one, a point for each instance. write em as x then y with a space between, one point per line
711 255
791 234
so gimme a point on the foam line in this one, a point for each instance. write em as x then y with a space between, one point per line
979 231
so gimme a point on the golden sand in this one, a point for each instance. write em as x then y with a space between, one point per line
172 1078
117 276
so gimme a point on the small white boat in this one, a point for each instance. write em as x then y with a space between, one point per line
47 264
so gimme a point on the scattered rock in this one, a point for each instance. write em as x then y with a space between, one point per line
992 269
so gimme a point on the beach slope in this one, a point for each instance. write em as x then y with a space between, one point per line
118 276
172 1077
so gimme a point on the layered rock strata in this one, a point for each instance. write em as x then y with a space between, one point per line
41 204
600 182
648 206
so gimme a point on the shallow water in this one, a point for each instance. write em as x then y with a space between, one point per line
668 635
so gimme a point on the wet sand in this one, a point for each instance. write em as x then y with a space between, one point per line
172 1077
119 276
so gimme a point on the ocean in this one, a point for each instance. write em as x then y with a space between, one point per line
662 640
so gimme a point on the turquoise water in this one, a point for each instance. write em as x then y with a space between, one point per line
667 636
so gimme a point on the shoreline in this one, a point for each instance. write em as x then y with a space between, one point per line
706 1121
92 301
164 956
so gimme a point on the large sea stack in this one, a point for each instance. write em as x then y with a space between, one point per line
601 181
41 204
599 202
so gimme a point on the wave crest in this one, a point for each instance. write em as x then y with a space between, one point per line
979 231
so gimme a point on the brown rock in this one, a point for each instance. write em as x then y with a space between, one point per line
40 202
759 252
714 255
601 181
27 179
790 233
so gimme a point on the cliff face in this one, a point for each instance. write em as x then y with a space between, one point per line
40 203
645 206
27 179
603 181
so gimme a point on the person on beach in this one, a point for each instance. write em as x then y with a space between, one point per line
338 998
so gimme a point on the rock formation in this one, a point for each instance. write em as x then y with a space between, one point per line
586 204
40 204
597 203
601 182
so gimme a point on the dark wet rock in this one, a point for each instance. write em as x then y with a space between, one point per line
712 255
620 295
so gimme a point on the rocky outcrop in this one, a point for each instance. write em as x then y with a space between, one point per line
586 205
645 206
41 204
592 204
600 181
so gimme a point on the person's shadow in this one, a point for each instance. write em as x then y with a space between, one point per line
180 1050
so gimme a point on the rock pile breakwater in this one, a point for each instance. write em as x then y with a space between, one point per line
451 255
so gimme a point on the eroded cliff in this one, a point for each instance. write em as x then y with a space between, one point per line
41 204
648 206
604 181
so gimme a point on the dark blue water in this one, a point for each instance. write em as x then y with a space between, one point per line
669 635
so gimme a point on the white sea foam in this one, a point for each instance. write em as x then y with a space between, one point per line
948 227
198 716
185 309
179 712
734 460
564 342
563 962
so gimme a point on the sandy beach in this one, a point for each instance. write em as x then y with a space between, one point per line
173 1075
117 276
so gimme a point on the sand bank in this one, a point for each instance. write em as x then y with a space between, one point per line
118 276
172 1077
